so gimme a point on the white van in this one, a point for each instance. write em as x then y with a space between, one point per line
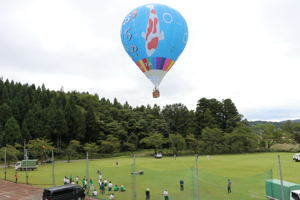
296 157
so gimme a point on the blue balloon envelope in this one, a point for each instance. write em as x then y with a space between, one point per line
154 35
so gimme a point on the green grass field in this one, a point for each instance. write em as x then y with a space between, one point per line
246 171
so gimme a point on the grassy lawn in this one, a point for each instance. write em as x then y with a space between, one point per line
246 171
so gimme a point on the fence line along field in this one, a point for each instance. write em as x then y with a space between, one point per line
247 173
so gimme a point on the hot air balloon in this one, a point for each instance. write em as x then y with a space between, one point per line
154 35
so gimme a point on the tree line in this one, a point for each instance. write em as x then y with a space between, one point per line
79 122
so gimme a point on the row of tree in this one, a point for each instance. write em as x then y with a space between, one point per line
62 119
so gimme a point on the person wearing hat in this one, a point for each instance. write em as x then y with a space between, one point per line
147 194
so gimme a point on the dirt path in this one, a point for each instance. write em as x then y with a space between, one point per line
13 191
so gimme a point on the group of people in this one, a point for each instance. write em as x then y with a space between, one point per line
70 180
104 185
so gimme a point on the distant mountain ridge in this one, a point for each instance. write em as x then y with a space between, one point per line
277 124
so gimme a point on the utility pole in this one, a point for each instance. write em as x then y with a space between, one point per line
197 178
26 160
24 149
134 179
53 175
5 165
87 172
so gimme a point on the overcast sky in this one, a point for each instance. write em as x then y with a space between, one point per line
245 50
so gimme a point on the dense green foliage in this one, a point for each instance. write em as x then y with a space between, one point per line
80 122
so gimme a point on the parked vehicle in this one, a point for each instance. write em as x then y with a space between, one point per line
158 155
26 165
47 161
291 191
296 157
64 192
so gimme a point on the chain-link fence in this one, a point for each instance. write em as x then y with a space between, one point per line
141 173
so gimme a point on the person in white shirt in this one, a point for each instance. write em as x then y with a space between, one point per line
95 193
110 185
166 194
111 196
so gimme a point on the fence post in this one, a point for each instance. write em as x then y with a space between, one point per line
281 181
134 179
197 178
53 174
26 166
87 173
5 165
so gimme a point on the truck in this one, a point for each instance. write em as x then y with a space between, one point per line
26 165
296 157
291 191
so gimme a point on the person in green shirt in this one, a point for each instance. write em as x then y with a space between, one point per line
116 188
122 188
91 184
84 182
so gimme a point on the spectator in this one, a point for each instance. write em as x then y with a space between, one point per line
122 188
95 193
116 188
166 194
147 194
111 196
229 186
181 183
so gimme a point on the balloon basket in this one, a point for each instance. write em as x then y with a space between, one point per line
155 93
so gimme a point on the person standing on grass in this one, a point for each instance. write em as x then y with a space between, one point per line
66 180
105 182
229 186
17 177
110 185
166 194
77 180
84 183
102 188
99 182
147 194
91 184
181 183
100 176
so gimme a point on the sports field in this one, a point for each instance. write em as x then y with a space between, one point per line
246 171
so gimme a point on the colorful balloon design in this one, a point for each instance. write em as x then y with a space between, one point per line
154 36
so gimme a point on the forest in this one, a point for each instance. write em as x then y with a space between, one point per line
38 119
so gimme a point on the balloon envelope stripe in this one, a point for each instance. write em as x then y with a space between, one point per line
162 63
158 61
170 65
145 61
167 62
141 65
155 63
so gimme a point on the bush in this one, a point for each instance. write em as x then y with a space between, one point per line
285 147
